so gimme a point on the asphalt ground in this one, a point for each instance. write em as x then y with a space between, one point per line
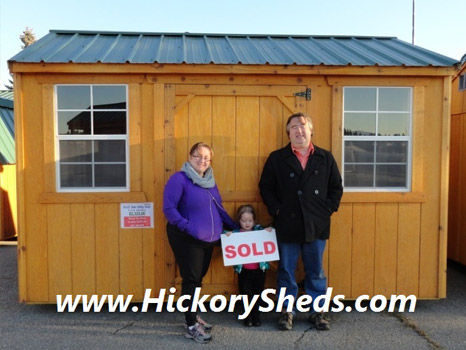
435 324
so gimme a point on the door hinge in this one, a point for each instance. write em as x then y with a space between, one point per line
306 94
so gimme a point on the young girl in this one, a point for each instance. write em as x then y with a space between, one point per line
251 277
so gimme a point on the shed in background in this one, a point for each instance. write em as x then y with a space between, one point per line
381 105
7 128
8 223
456 217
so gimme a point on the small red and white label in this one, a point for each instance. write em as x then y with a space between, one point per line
137 215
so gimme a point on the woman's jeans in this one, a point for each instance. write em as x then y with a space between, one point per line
315 282
193 258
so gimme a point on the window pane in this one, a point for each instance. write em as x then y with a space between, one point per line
109 97
393 124
382 115
75 151
394 99
74 123
109 151
359 151
107 123
360 124
110 175
360 99
390 175
75 175
359 175
73 97
392 151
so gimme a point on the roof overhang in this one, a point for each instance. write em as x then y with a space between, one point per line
156 68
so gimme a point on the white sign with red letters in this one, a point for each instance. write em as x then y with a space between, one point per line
137 215
249 247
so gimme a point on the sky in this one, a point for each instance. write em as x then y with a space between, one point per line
440 25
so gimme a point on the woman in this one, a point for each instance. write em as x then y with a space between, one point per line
195 215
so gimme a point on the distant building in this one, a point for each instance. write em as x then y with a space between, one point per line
457 198
7 128
8 223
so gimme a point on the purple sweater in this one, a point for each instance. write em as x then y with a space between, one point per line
193 210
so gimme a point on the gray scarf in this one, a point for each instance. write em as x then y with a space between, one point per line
207 181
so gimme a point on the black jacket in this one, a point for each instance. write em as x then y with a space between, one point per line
304 199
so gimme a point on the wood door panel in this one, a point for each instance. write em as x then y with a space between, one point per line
243 124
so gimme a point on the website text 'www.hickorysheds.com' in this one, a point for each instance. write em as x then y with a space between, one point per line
219 303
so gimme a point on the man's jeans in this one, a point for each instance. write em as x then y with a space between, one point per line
315 282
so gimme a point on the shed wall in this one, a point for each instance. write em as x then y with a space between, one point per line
457 202
381 243
8 217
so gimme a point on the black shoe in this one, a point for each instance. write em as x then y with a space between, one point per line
285 323
256 320
318 320
248 321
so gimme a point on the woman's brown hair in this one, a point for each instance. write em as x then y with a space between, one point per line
198 145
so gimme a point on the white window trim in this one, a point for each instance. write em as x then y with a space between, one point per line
91 137
381 138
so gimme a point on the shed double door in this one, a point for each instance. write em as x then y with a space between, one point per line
243 124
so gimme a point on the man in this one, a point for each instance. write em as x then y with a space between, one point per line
301 187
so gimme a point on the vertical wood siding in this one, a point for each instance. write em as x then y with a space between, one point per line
380 243
8 212
457 200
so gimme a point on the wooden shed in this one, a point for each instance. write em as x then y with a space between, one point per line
104 118
457 200
8 222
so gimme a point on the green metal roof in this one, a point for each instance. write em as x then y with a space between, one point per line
7 128
7 96
62 46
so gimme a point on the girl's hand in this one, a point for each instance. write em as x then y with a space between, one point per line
268 229
228 233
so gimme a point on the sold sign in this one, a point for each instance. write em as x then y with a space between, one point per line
249 247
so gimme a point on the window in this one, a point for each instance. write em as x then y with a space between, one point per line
92 138
377 138
462 82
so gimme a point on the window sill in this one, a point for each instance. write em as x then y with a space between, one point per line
92 197
383 197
